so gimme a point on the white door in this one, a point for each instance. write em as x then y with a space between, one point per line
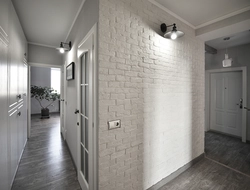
86 117
85 121
62 94
225 103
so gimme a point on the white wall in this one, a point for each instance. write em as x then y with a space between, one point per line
44 55
12 83
241 58
41 77
4 127
156 87
85 21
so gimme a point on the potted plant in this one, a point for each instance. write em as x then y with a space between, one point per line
44 93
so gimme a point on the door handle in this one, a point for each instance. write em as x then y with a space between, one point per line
77 111
19 113
240 104
246 108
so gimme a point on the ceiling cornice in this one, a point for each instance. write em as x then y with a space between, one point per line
73 23
204 24
43 45
223 17
171 13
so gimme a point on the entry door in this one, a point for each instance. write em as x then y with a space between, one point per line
226 113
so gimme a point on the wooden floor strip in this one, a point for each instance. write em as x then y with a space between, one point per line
46 163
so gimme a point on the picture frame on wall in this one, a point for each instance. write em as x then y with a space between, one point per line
70 71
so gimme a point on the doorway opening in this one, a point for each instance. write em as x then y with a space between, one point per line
226 97
87 112
45 90
225 116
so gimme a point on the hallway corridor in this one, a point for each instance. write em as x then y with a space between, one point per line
46 163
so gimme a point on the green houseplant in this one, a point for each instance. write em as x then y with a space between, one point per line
44 93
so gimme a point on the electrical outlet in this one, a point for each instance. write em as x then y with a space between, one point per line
114 124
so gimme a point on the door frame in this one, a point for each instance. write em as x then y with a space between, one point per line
43 65
244 94
94 110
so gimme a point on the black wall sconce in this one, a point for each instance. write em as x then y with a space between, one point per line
64 47
173 34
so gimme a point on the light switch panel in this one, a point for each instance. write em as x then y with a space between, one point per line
114 124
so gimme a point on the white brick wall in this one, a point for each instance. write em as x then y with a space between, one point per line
156 87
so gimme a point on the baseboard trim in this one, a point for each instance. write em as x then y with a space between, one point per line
74 164
176 173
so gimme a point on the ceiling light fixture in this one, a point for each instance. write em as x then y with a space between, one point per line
227 62
64 47
173 34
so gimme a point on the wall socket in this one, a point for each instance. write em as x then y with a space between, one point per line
114 124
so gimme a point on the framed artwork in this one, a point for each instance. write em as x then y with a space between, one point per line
70 71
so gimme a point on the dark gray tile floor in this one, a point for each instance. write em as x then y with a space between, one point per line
226 167
46 163
207 175
229 151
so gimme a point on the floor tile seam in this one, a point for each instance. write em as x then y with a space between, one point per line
58 170
61 146
45 165
45 172
41 132
227 167
41 160
42 147
61 176
53 182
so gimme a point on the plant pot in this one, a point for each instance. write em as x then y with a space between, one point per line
45 113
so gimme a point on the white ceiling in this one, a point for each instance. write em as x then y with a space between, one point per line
235 40
199 12
47 22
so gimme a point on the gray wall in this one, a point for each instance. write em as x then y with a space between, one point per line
85 21
44 55
41 77
241 57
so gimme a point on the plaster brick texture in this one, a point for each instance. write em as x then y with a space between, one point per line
156 87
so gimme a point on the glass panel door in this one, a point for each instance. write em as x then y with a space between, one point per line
84 115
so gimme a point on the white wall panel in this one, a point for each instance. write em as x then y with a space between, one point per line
13 128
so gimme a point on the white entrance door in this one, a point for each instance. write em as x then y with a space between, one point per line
86 117
225 103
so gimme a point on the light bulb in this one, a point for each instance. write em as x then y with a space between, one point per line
173 35
61 50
